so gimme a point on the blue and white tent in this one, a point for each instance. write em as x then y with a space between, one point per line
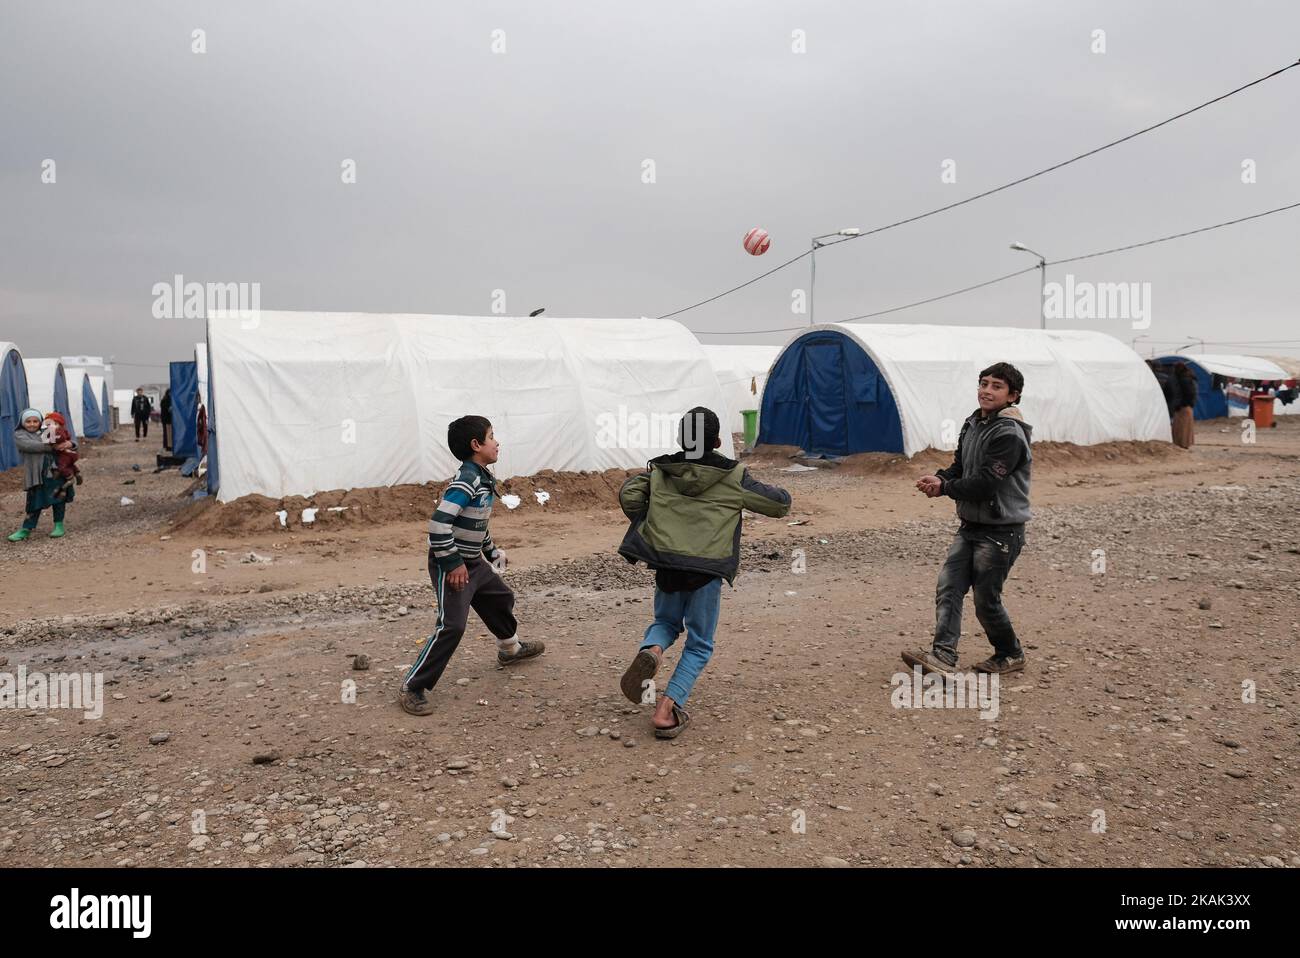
47 389
13 399
845 388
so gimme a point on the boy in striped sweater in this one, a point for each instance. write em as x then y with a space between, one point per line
461 559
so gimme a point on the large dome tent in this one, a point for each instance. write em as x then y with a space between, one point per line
306 402
844 388
13 400
47 389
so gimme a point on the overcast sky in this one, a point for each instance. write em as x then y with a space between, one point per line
522 170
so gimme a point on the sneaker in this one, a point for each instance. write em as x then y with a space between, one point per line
21 535
929 662
414 701
642 669
1002 664
526 651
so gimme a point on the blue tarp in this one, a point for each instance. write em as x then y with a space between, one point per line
61 405
827 397
91 422
185 406
1211 403
13 399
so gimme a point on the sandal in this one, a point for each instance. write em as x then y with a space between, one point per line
643 667
683 720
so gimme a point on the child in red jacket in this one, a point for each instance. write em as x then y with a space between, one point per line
54 430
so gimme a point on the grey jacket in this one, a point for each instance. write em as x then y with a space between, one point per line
989 476
37 456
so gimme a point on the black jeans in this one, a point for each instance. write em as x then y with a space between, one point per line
141 422
982 560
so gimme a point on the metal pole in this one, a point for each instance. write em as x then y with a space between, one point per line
1042 294
812 287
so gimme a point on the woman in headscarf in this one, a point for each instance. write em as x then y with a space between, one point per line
1183 425
40 478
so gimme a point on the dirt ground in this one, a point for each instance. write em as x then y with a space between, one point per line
1156 723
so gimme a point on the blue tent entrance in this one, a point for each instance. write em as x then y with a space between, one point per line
1211 403
92 424
185 406
826 396
13 399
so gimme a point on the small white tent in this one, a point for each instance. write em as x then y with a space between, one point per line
122 404
742 372
844 388
47 387
307 402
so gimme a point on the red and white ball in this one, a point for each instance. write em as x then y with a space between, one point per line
757 241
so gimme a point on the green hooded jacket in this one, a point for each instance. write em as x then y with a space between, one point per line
685 513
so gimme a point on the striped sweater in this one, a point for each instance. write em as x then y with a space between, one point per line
459 528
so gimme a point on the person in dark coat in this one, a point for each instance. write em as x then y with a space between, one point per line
141 407
165 411
1182 424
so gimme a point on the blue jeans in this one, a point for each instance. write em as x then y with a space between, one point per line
982 561
697 613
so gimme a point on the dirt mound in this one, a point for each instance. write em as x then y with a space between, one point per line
1046 454
568 491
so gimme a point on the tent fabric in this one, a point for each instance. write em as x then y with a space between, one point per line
13 400
1289 365
1211 403
185 394
99 386
47 388
843 388
1214 403
1234 367
81 400
122 403
738 367
306 402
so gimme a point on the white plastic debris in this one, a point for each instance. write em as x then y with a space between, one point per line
254 557
309 516
543 497
799 467
127 502
336 509
512 502
283 516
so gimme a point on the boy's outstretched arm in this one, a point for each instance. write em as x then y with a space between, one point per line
634 495
764 499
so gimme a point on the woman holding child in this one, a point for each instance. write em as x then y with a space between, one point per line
46 489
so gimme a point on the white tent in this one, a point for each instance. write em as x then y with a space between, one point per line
842 388
201 369
1238 367
47 387
307 402
122 403
742 372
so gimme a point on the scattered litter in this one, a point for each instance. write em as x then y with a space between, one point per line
791 593
309 516
135 468
799 468
824 542
1227 488
128 482
799 522
482 701
127 502
543 497
336 509
200 494
283 516
254 557
512 502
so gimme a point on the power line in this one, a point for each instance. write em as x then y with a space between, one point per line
1004 186
1027 269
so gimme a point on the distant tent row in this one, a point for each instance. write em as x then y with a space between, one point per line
742 374
306 402
845 388
1215 373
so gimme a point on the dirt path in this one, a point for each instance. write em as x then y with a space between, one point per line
1132 707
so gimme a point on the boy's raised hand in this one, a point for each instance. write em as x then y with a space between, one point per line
458 577
930 485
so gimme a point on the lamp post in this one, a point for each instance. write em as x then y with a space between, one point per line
1042 284
839 236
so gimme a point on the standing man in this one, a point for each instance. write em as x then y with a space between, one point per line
989 479
141 407
165 414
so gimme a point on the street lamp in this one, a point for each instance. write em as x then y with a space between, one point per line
1042 285
537 312
839 236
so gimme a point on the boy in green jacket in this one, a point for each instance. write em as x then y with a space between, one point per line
685 511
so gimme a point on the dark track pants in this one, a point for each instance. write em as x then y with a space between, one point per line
487 594
141 423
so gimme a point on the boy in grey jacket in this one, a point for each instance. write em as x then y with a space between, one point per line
989 479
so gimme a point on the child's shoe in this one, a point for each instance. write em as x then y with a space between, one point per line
21 535
414 701
57 531
526 650
642 669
